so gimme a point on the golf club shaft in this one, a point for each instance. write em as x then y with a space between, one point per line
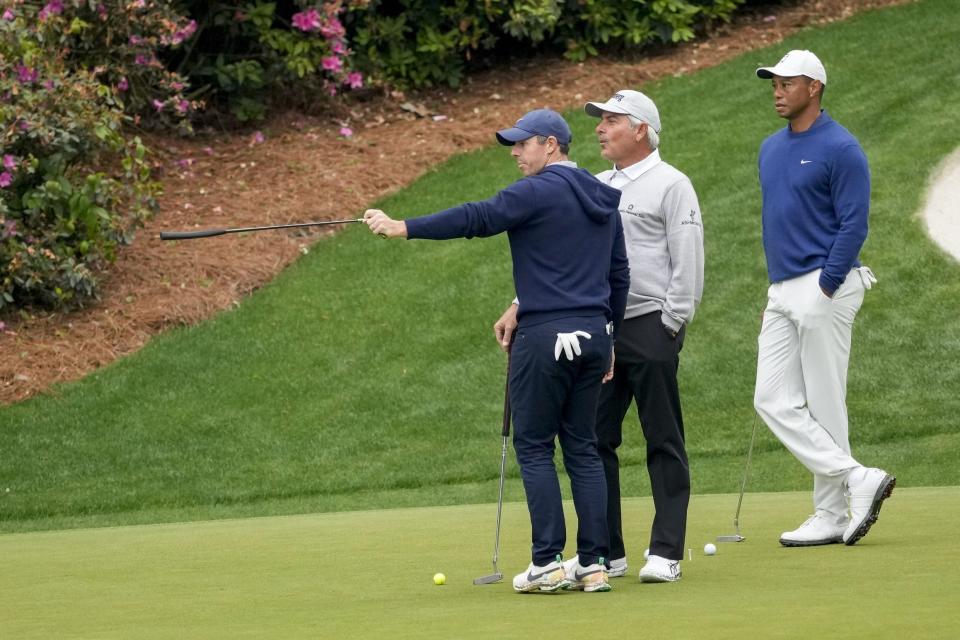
208 233
746 474
505 432
503 468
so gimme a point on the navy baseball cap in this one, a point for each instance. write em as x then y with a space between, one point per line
540 122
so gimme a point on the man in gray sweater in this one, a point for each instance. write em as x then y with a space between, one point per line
664 237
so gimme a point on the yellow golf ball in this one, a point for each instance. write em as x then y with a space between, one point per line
439 578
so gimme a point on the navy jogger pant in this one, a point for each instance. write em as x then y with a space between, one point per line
558 399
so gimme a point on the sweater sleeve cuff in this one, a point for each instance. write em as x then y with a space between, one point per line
828 284
671 322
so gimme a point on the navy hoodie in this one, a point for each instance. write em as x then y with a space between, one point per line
566 237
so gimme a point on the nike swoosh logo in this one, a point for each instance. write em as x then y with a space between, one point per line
581 576
803 162
531 577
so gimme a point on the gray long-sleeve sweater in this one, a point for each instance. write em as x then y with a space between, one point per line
664 237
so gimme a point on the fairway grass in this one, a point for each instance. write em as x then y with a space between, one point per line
368 575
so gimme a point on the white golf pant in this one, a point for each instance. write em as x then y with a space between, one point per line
801 390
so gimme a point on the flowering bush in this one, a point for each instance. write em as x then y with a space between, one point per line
244 57
62 213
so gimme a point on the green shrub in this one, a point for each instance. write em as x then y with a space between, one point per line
72 188
422 42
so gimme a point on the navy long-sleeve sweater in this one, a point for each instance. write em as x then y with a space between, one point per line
816 199
566 239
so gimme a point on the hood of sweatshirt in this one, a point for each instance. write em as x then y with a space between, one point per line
599 201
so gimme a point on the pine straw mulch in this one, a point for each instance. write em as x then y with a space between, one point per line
304 170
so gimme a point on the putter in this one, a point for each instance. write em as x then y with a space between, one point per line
496 576
736 537
209 233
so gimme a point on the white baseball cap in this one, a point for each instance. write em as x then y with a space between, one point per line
798 62
629 102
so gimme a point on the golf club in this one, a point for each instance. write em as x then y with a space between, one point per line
496 576
209 233
736 537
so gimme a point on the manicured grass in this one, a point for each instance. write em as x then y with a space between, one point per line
366 375
368 575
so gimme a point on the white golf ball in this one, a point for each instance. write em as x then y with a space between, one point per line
709 548
646 553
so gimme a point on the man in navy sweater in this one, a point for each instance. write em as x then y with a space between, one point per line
570 269
816 199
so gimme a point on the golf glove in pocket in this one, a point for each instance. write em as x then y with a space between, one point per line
867 277
569 343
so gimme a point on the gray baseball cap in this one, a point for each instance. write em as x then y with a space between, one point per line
630 102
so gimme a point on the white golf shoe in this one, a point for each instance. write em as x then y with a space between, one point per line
592 578
547 579
660 569
867 488
618 567
818 529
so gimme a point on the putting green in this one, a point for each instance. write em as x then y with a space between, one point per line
369 574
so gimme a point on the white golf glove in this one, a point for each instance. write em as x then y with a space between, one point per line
569 344
867 277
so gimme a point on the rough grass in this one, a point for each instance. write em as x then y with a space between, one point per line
366 375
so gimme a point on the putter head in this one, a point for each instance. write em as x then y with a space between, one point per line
734 538
496 577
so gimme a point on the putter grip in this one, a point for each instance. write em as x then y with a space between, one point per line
187 235
506 402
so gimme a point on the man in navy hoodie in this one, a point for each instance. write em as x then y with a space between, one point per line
816 198
570 269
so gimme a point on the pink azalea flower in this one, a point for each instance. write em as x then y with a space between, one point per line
332 63
48 84
158 105
346 132
183 106
123 85
9 161
135 40
176 86
185 33
6 179
9 15
26 75
307 20
257 138
208 150
333 29
24 125
185 163
355 79
332 90
338 48
52 8
142 59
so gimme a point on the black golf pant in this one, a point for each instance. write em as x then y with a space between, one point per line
553 400
645 370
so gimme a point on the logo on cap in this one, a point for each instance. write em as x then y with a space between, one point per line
618 97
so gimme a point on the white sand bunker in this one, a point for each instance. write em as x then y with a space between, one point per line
942 211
